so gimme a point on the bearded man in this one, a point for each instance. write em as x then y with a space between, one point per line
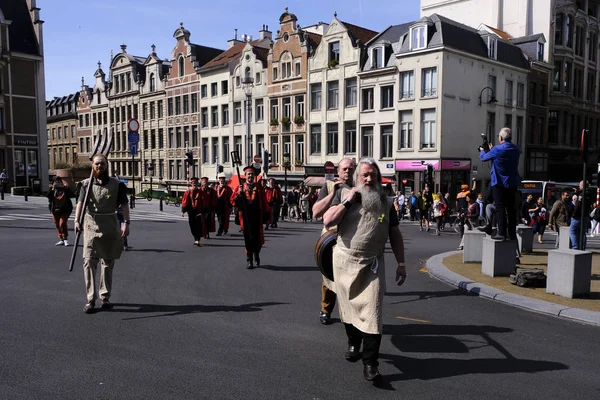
223 205
365 220
251 202
102 233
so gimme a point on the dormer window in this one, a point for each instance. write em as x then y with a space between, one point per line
492 45
152 83
334 51
377 57
417 37
540 51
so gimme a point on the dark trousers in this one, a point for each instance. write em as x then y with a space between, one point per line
504 200
328 298
370 343
195 225
276 212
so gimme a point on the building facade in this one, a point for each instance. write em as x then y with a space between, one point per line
23 144
61 122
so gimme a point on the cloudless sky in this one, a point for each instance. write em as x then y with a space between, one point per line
79 33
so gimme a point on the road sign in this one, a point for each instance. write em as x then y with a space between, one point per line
133 148
329 168
133 137
257 159
133 125
124 181
389 165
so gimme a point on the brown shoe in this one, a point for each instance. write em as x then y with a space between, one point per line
106 305
89 307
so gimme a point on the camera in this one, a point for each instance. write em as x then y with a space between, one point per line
485 145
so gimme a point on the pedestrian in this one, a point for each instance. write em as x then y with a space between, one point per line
277 201
250 200
191 203
526 217
61 207
577 242
469 218
3 180
292 201
425 202
102 235
305 204
413 206
540 218
223 210
439 207
364 225
209 206
559 215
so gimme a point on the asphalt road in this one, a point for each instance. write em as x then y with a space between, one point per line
193 323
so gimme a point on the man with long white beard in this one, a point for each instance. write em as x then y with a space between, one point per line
365 220
102 234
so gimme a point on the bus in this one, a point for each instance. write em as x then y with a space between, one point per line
550 191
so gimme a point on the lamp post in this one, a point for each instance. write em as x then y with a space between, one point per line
492 98
286 165
247 82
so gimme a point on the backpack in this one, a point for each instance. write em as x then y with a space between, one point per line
528 277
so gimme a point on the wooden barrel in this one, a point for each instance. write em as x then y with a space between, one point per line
324 253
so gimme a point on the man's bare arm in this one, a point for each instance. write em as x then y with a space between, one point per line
334 215
397 243
322 205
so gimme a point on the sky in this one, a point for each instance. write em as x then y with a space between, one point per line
79 33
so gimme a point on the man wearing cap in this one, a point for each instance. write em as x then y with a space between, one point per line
209 205
251 202
223 205
192 204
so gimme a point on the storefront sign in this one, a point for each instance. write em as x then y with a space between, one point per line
26 142
456 165
416 165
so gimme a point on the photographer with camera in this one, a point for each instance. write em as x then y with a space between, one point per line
504 181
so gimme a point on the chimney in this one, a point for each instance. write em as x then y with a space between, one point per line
249 37
265 33
235 40
123 48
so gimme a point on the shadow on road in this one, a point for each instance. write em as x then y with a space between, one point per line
287 269
170 311
36 228
156 250
428 295
414 338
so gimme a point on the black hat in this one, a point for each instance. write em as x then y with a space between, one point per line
193 179
250 167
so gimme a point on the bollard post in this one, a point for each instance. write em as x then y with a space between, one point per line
26 199
160 204
2 193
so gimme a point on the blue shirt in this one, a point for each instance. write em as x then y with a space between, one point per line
505 164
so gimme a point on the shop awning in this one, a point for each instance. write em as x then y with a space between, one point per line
314 181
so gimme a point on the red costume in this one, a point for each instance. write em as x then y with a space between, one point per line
191 203
223 207
254 202
209 206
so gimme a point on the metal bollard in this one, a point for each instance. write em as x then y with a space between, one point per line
26 199
160 204
2 194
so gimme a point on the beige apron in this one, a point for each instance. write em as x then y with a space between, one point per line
101 229
358 266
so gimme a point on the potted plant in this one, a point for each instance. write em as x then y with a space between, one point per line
299 163
333 63
274 122
299 120
285 121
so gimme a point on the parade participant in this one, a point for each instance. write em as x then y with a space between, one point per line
61 207
365 219
102 238
269 196
346 168
250 200
223 205
209 205
277 200
191 203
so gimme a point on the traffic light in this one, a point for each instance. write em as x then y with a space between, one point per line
266 159
189 158
596 179
429 176
220 168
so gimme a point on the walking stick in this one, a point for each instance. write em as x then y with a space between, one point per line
235 158
102 146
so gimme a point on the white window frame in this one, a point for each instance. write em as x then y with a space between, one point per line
377 57
428 129
421 39
407 85
405 139
492 45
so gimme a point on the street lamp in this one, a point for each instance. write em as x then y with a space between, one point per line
151 173
247 82
492 97
286 165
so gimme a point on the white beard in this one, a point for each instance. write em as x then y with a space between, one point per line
370 198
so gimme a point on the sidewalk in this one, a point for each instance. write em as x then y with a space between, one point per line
448 267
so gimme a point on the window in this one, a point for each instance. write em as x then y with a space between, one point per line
194 102
334 51
299 106
299 139
508 93
257 79
225 153
181 66
417 37
492 45
332 138
178 138
406 130
153 138
117 86
377 57
225 90
428 129
367 99
540 51
591 90
315 96
567 77
558 29
430 82
491 126
215 149
532 90
204 117
274 149
578 83
387 96
238 81
520 94
260 110
298 70
333 89
94 121
508 121
287 107
275 73
186 104
569 31
169 106
350 137
286 70
98 97
171 138
60 132
144 111
214 111
407 85
274 109
367 141
387 138
203 91
205 155
152 83
177 105
161 138
159 106
579 41
552 126
315 139
194 135
152 110
87 120
593 47
225 114
351 92
238 144
237 110
214 90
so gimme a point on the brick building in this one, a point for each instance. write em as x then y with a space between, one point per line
61 121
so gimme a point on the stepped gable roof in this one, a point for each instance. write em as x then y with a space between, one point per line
21 33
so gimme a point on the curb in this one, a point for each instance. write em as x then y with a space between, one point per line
439 271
